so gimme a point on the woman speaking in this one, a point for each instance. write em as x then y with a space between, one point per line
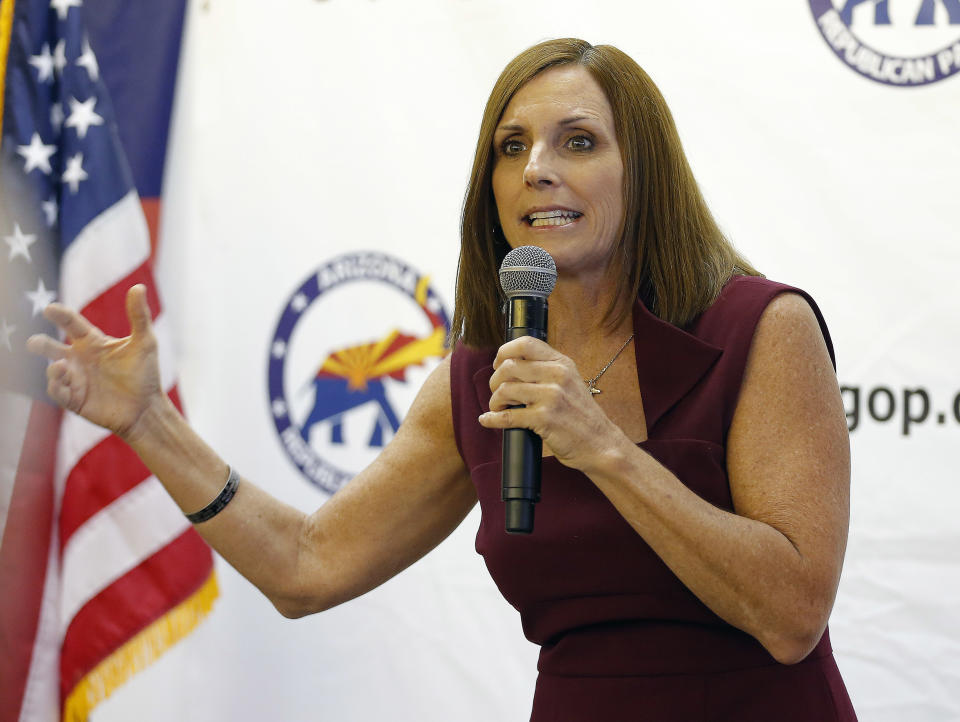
689 543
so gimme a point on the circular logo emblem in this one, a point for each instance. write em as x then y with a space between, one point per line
351 349
903 43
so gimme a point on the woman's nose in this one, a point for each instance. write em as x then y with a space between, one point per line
540 169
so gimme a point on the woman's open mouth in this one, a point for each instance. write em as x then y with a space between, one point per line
539 219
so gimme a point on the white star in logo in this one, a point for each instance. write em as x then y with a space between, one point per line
49 209
279 407
60 57
20 243
299 302
74 173
36 155
41 298
279 349
56 116
63 7
88 60
5 332
43 63
82 116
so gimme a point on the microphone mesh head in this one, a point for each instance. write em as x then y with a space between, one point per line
528 271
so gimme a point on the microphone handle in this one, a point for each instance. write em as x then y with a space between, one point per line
522 449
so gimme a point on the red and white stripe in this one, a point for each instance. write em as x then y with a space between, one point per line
121 554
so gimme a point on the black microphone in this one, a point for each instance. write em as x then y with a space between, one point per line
527 276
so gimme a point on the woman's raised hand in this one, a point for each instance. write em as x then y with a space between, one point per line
109 381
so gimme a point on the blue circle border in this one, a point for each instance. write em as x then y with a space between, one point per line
821 7
316 470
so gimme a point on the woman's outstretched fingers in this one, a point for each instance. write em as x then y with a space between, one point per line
58 384
43 345
138 310
69 321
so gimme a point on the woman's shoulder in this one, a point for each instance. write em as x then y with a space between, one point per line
744 298
743 294
733 317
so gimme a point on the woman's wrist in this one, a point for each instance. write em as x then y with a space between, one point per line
611 460
156 417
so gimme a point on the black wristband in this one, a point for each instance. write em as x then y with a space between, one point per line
221 500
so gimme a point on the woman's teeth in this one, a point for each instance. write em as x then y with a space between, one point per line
552 218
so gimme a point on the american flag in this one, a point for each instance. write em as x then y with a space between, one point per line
99 571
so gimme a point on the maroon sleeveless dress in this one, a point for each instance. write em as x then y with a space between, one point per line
621 637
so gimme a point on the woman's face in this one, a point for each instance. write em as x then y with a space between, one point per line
558 174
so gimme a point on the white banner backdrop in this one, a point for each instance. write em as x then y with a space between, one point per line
309 130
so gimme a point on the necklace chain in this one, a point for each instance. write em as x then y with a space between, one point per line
591 383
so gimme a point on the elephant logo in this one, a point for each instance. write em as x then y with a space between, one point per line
351 377
334 416
900 43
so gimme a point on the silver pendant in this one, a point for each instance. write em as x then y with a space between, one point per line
590 382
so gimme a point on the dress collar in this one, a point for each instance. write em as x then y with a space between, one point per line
670 362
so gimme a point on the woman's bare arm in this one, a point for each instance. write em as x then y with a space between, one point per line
772 567
407 501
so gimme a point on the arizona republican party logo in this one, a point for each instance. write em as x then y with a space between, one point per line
352 347
903 43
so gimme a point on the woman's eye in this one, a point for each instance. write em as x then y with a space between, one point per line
511 147
580 142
